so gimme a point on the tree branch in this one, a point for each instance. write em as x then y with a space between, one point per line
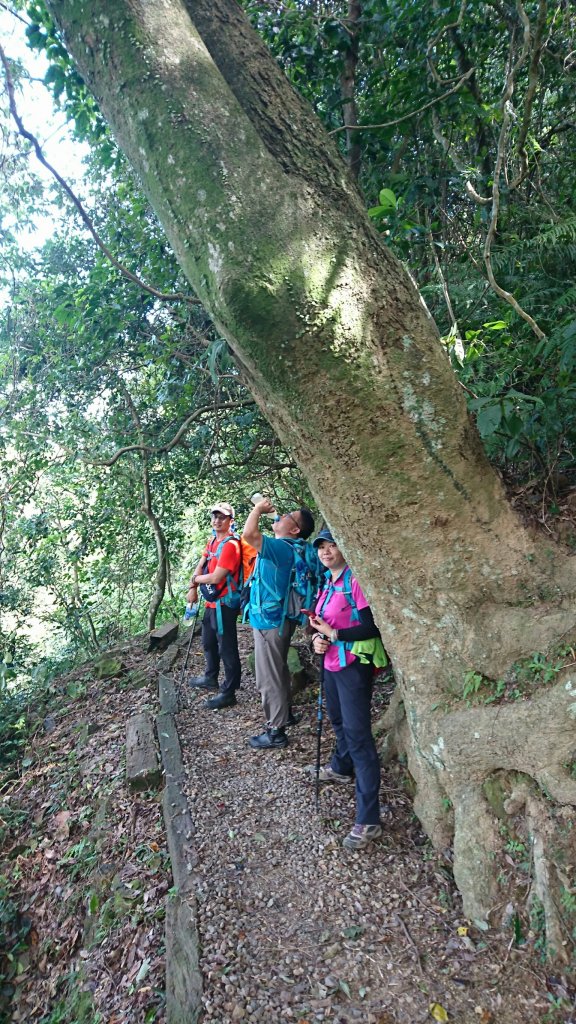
533 78
436 39
14 14
460 167
162 449
162 560
440 272
514 67
175 297
348 89
405 117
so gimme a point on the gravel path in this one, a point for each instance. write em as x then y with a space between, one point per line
295 928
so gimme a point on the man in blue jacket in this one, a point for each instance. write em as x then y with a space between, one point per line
272 629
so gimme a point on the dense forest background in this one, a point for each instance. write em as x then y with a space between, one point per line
123 412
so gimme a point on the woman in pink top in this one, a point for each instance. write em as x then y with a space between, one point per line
342 617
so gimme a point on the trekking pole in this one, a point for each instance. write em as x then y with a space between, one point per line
189 648
319 719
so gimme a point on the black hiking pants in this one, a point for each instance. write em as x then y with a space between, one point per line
222 647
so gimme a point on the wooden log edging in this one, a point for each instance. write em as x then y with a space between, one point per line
183 975
142 768
169 747
167 694
169 657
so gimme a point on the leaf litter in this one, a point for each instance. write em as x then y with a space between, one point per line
293 928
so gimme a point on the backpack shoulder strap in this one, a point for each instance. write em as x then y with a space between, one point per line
225 540
347 591
232 587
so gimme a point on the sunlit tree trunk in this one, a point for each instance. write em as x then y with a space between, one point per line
346 363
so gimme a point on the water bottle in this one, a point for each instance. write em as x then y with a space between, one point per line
191 610
260 497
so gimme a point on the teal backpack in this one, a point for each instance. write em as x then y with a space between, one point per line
304 580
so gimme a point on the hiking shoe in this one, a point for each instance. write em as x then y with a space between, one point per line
327 774
221 700
272 739
203 682
361 836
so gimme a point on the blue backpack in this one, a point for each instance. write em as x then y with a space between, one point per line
304 580
303 584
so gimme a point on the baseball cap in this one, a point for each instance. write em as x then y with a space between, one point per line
224 508
323 535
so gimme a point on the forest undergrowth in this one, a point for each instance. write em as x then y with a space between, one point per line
85 876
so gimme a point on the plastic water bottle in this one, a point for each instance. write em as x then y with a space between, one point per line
260 497
191 610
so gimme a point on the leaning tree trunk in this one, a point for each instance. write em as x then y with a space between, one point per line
346 363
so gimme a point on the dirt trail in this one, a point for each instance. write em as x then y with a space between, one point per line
293 928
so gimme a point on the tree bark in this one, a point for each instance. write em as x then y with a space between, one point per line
348 90
346 363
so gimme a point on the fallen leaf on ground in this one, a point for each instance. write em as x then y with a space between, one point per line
61 820
438 1012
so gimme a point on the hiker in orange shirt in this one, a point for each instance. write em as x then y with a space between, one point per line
217 576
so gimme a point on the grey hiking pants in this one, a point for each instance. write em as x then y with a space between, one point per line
272 675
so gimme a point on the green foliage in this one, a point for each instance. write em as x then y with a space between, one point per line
13 726
80 858
522 680
24 702
525 399
427 150
67 85
14 931
478 689
541 669
75 1004
90 364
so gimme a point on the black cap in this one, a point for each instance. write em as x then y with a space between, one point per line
323 535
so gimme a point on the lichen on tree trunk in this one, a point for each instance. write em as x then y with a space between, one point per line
346 363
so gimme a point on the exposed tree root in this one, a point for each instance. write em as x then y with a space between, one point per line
494 779
550 833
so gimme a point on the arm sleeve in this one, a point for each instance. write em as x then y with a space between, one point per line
363 630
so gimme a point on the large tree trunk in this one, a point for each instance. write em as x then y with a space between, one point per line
345 361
